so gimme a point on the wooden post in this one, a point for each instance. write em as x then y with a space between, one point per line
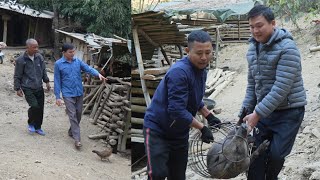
239 28
5 19
140 65
180 51
217 46
126 129
35 29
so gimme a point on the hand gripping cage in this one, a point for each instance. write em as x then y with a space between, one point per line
198 150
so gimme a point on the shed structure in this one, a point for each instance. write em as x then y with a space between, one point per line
19 22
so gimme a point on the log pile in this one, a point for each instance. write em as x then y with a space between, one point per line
109 108
217 80
152 77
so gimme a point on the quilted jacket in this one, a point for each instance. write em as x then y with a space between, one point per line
274 75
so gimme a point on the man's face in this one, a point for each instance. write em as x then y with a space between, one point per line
200 54
261 29
69 54
32 48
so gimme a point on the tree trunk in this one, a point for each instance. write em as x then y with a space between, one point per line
55 23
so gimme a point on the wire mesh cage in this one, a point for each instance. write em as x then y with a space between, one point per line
198 150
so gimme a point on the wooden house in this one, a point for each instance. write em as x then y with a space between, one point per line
19 22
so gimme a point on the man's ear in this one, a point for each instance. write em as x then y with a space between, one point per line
273 22
187 50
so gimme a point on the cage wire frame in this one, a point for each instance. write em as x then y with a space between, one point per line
197 159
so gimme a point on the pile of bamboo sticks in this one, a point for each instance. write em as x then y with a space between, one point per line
217 80
109 108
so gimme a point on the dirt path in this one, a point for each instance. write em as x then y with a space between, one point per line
53 156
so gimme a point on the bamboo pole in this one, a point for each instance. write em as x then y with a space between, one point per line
140 65
217 46
91 93
98 136
96 105
139 109
94 97
313 49
136 120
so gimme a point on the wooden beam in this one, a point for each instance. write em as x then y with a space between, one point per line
313 49
140 64
165 55
139 109
149 84
138 100
148 38
217 47
136 120
154 71
145 35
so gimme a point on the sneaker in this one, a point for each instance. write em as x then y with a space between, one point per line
31 129
41 132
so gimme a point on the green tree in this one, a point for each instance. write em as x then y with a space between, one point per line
293 9
102 17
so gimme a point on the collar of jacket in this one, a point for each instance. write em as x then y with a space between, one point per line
26 56
274 38
65 60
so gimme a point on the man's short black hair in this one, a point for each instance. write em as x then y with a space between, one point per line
199 36
67 46
262 10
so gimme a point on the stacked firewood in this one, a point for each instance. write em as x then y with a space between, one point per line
110 109
217 80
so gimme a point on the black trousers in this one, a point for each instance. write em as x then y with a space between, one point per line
280 128
166 157
35 99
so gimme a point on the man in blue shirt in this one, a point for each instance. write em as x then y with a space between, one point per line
171 113
68 80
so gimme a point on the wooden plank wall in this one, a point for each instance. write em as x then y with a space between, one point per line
239 30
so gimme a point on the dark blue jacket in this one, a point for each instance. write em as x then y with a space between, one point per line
177 99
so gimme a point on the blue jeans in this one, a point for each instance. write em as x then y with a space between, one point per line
166 157
280 128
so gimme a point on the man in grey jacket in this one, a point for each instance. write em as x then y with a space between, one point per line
275 96
30 71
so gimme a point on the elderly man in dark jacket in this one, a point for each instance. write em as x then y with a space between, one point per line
30 71
275 96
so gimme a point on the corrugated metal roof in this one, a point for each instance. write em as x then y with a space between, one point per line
93 40
23 9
